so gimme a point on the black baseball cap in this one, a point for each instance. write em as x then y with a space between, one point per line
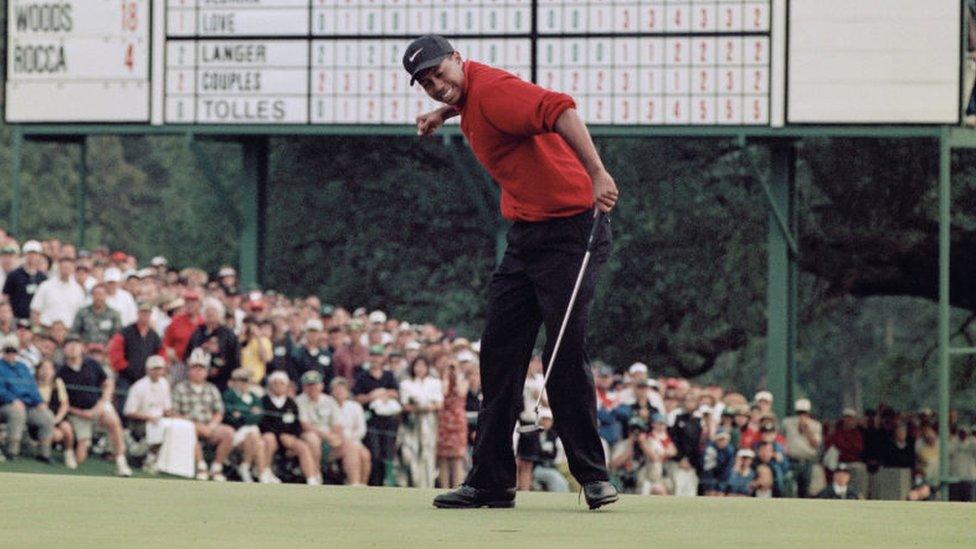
425 52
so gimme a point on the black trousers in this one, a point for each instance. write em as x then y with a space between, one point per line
532 287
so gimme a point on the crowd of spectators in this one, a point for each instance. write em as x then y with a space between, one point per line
175 371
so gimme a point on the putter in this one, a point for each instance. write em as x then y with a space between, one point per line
597 217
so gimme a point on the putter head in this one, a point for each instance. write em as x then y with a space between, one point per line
531 428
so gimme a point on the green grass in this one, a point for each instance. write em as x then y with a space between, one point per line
86 511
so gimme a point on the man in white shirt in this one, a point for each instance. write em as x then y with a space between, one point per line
119 299
317 413
150 401
804 436
58 298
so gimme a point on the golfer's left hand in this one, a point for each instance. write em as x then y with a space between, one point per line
604 191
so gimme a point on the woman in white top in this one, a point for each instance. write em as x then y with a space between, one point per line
352 422
421 396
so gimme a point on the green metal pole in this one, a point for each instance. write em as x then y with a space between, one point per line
945 221
254 206
82 192
18 149
781 287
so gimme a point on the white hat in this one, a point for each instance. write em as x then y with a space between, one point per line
802 405
545 413
277 375
637 367
32 246
226 271
146 272
404 327
155 361
112 274
745 452
412 346
199 356
466 356
377 317
849 412
476 346
11 341
361 311
763 395
314 324
158 261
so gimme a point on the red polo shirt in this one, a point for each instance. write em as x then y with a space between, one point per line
509 124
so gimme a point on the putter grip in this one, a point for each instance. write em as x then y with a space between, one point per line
596 227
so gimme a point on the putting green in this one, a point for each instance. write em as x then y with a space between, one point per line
76 511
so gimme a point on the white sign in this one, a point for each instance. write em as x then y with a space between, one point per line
874 61
77 61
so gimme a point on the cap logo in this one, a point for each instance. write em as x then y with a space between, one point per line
416 53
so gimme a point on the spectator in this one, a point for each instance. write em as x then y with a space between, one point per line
21 403
376 390
742 476
55 396
218 341
351 421
149 407
927 451
256 350
90 393
243 412
804 436
184 323
638 381
29 352
717 464
849 441
313 354
118 298
545 475
318 414
452 426
899 450
281 428
642 459
97 322
766 455
764 402
358 353
962 455
840 485
611 414
58 299
687 432
422 396
200 402
342 359
21 284
129 349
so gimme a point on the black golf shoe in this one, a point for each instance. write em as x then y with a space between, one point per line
599 493
467 497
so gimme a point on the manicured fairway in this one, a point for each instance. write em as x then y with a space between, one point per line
88 511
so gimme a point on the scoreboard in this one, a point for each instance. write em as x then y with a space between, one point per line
625 62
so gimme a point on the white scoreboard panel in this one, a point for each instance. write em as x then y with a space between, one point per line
874 61
77 61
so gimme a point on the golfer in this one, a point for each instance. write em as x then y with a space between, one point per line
535 146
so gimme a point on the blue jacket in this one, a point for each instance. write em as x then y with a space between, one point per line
610 423
17 383
718 463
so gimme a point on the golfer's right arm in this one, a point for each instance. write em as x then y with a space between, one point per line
429 122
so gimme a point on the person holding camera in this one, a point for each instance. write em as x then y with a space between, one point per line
644 456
